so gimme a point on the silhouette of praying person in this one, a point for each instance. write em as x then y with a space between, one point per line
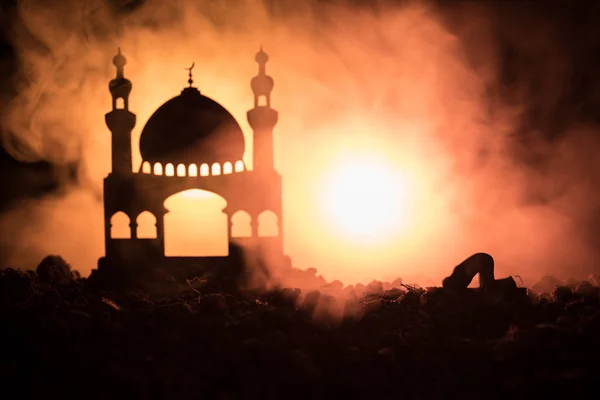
463 273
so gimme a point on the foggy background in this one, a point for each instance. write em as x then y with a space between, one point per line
492 108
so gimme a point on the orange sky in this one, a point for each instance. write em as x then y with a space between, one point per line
393 86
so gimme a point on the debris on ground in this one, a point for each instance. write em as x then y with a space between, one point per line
63 338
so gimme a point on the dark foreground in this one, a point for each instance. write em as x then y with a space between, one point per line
64 339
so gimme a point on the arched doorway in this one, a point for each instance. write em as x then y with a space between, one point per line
196 225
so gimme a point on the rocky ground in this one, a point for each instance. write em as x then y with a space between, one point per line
63 338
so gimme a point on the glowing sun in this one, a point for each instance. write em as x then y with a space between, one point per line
364 199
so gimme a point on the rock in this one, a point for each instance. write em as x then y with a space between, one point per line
591 326
411 299
546 284
287 298
55 270
359 289
15 284
562 294
501 290
594 279
375 287
397 283
572 283
430 297
585 288
213 304
311 300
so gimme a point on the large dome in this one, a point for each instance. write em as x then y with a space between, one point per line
191 128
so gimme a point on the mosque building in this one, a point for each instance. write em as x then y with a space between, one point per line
190 142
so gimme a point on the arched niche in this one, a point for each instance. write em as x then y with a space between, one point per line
120 226
146 168
204 170
268 224
241 225
195 224
146 226
227 168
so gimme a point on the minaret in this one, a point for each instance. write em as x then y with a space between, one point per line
120 120
262 118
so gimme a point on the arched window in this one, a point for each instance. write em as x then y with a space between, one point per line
158 169
267 224
216 169
169 170
227 168
146 168
204 170
181 170
146 226
240 224
239 166
193 170
119 226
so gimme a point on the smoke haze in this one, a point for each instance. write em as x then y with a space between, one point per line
491 166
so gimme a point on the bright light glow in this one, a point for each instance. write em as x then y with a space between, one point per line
364 199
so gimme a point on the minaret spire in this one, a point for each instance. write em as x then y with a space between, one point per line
120 120
120 87
262 118
262 84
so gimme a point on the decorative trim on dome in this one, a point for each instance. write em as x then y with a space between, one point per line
192 170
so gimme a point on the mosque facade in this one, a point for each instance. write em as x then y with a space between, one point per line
190 142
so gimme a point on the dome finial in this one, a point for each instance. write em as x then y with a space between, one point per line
119 60
190 80
261 57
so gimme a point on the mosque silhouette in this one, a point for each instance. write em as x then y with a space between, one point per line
190 142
